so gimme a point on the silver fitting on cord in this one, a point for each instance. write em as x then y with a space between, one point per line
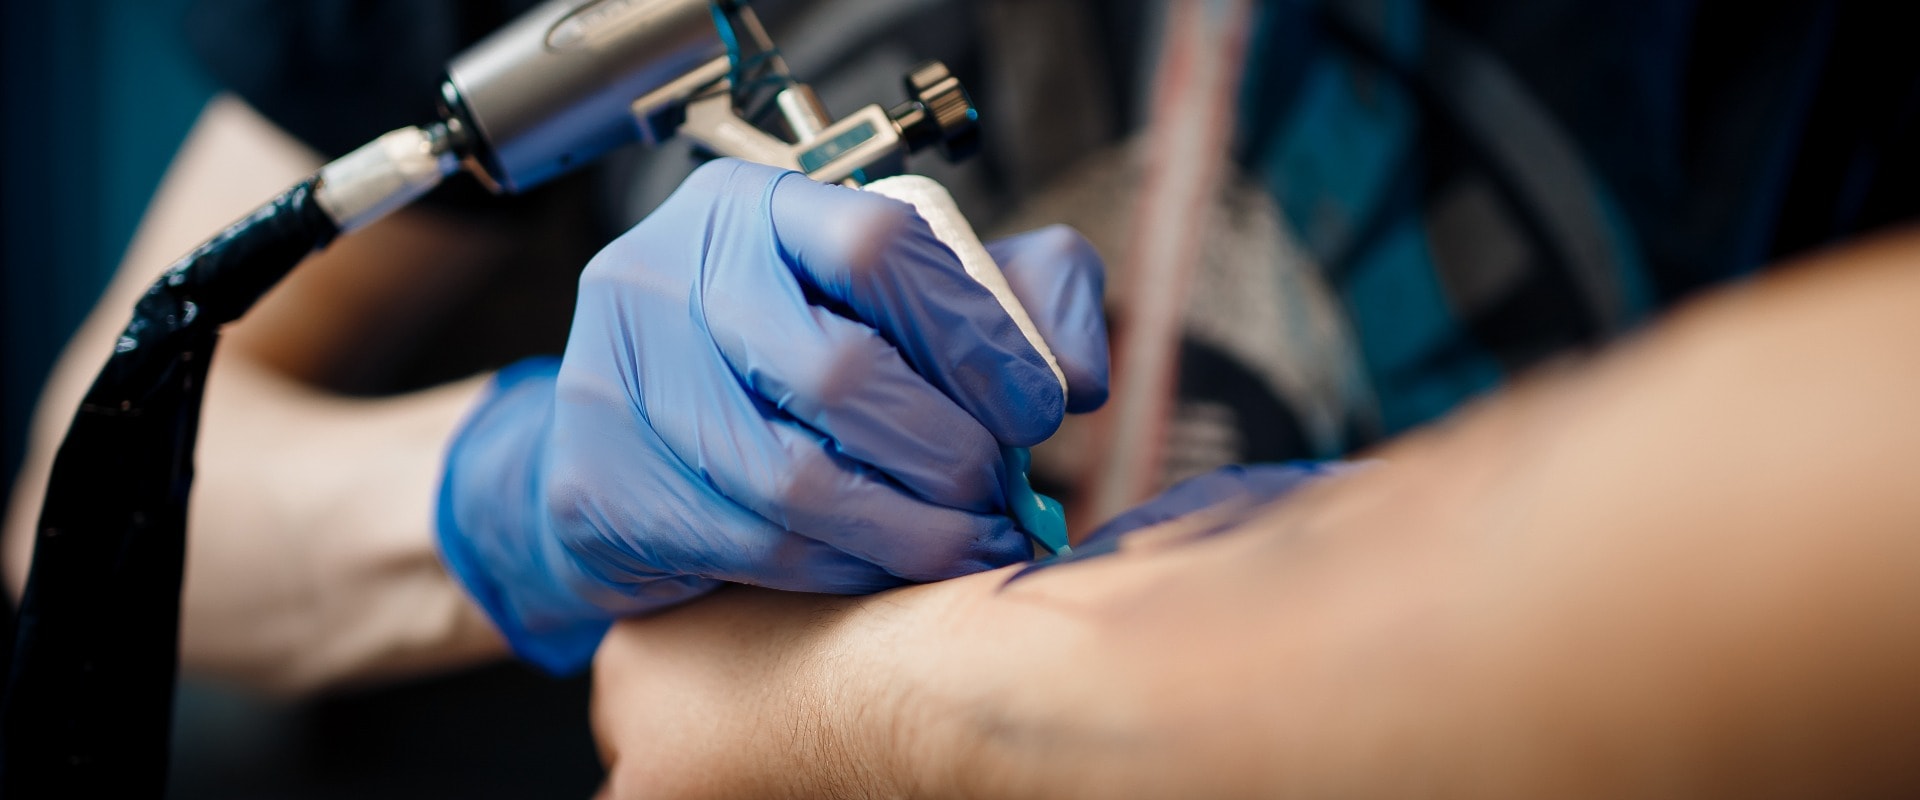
385 174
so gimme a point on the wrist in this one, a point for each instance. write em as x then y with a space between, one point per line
491 526
1042 687
886 698
958 693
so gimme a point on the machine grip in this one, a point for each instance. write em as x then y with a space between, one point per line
1040 516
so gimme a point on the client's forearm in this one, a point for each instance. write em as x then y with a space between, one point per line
1689 568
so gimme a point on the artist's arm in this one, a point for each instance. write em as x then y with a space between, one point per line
310 558
1688 568
764 412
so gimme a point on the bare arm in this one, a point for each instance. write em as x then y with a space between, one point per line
1690 568
310 560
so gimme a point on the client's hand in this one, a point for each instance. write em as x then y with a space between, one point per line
769 381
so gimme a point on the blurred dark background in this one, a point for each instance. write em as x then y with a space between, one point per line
98 93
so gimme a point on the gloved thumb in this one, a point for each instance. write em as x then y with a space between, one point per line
1061 281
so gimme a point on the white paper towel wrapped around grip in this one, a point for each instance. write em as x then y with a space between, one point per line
936 206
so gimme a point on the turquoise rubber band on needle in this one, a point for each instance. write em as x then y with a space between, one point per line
1042 518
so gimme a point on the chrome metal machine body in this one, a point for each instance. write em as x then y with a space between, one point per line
570 81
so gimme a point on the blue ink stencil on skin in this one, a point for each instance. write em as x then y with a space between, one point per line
1242 492
1040 517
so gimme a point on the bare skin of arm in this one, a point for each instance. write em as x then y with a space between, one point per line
310 556
1687 568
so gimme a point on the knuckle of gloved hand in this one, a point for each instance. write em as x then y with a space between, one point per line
1067 253
709 180
711 185
975 471
1030 408
845 372
867 227
629 263
856 393
567 496
939 543
573 501
980 543
807 478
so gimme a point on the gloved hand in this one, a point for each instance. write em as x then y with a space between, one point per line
768 381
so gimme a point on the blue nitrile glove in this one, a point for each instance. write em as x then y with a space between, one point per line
769 381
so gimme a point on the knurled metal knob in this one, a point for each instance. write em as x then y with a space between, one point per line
939 113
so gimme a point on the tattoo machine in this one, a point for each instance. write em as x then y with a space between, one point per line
88 695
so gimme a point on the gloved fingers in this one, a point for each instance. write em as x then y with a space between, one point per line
876 260
724 439
625 562
843 380
1252 484
795 479
793 563
1061 280
742 545
751 550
